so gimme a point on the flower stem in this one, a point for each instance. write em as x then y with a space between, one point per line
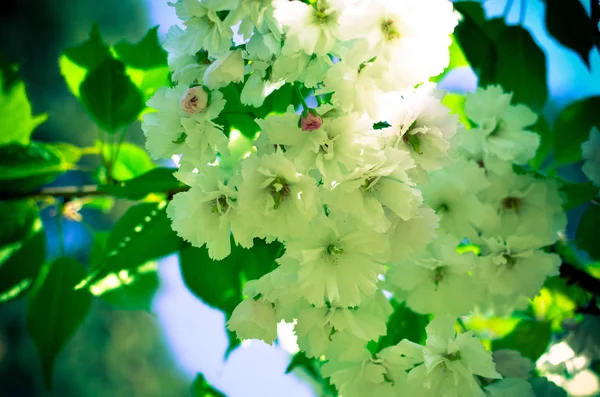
304 105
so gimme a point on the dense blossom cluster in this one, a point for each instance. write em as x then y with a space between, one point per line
361 210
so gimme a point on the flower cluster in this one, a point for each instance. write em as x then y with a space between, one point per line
360 209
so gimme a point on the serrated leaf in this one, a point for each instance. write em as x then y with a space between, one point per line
110 97
24 168
157 180
568 22
145 54
572 128
18 122
201 388
142 234
521 67
587 237
55 311
530 338
577 194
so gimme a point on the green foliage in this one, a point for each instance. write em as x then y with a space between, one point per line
457 60
530 338
572 128
154 181
110 97
220 283
142 234
90 53
201 388
541 128
18 122
24 168
402 324
568 22
127 160
55 310
312 368
558 301
145 54
587 237
577 194
456 104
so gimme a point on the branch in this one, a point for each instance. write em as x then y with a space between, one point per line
69 192
580 278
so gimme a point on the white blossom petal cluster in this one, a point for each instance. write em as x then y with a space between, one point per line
372 191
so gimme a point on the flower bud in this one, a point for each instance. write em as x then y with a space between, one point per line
310 121
194 100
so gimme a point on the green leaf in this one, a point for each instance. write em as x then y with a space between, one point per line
219 284
403 324
530 337
572 128
456 104
149 81
142 234
541 128
457 60
568 22
577 194
157 180
201 388
521 67
558 301
25 168
18 122
19 219
9 74
91 53
300 360
56 310
132 161
110 97
587 237
145 54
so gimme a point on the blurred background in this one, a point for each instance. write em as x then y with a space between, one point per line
159 352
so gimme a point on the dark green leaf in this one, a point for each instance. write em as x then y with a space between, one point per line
572 128
90 53
56 310
19 219
568 22
530 337
587 237
158 180
541 128
9 74
521 67
201 388
110 97
145 54
300 360
142 234
25 168
577 194
403 324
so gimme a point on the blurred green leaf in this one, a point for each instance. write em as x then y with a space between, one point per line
558 301
541 128
403 324
132 161
149 81
110 97
56 310
24 168
201 388
521 67
569 23
99 203
572 128
577 194
530 338
91 52
157 180
18 122
9 74
456 104
587 237
142 234
19 219
457 60
145 54
220 283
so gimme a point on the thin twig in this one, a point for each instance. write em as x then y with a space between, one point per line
69 192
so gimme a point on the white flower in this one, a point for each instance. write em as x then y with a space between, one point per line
413 235
371 189
510 387
423 127
451 192
591 156
437 280
449 362
274 197
204 28
254 319
516 266
228 68
171 130
263 47
259 85
299 66
255 16
187 69
313 29
338 262
501 128
316 324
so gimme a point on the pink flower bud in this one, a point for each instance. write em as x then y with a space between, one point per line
194 100
310 121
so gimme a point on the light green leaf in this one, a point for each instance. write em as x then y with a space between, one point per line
457 60
133 161
110 97
572 128
150 80
18 122
56 310
456 104
145 54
